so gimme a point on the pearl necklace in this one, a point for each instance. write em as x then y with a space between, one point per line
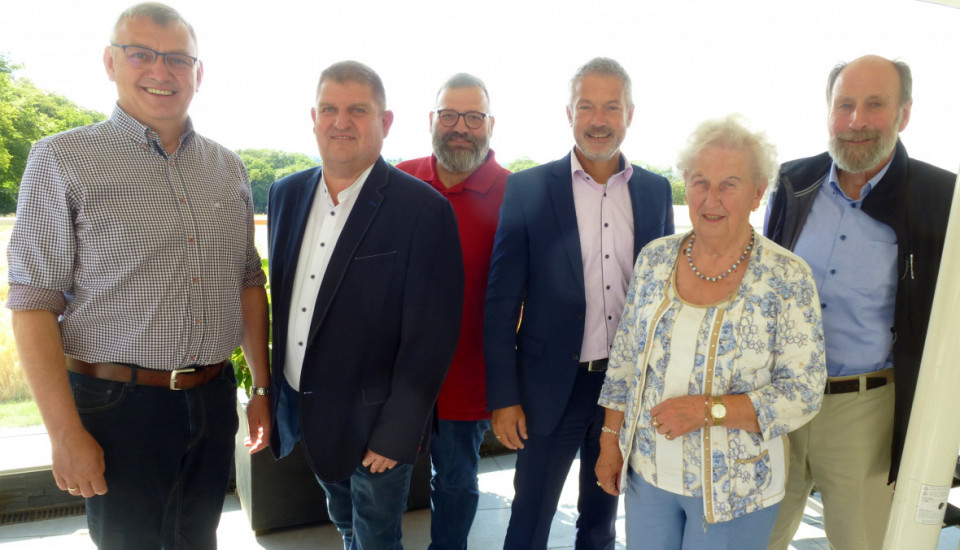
727 272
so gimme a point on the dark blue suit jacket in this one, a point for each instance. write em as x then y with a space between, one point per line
386 321
536 263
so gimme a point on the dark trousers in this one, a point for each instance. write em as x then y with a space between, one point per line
167 455
542 468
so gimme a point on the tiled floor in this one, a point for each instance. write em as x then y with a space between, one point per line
496 487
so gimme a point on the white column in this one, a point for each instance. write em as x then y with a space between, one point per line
930 451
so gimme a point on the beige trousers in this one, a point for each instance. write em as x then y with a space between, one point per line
845 453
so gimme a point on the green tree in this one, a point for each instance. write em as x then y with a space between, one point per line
26 115
265 166
676 182
522 163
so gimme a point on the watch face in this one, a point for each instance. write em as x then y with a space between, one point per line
718 411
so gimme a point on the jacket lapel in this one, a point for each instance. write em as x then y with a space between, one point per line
302 201
354 230
560 188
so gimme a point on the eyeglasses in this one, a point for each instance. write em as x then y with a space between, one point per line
449 118
142 58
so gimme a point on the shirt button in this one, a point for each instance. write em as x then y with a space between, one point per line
182 200
323 245
170 163
193 357
609 317
833 271
823 306
190 239
303 309
313 276
198 321
196 279
576 356
605 224
608 287
843 237
853 205
332 213
607 256
300 343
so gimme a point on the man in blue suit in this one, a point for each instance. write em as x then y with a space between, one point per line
568 236
367 283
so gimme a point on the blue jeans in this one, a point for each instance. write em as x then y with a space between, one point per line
661 520
167 455
368 508
453 488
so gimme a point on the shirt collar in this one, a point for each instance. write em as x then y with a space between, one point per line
626 169
140 131
480 181
867 187
348 194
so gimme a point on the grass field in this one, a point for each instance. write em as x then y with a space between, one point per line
13 385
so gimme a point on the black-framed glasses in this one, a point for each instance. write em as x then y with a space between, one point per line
449 118
142 58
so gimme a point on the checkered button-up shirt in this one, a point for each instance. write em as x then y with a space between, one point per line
144 255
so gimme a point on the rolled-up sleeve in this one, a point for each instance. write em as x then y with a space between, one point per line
42 248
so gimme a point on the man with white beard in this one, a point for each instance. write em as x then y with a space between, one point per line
463 169
871 223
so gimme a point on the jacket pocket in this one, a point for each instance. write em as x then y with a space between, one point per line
376 394
751 476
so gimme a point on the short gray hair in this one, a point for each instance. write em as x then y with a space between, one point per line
906 80
464 80
354 71
161 14
603 66
731 132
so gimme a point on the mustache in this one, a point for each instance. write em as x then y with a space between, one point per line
859 135
449 136
599 130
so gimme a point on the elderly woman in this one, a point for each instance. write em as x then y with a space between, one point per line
718 355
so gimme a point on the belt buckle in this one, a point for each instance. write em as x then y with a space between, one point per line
173 377
594 366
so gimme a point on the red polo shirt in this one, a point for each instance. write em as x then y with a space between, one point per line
476 202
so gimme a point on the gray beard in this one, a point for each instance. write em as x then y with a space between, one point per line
858 160
460 161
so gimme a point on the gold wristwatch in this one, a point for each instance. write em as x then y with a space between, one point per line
718 411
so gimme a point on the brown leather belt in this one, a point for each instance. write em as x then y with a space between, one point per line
597 365
851 384
181 379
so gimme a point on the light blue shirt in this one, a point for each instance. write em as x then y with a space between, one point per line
854 262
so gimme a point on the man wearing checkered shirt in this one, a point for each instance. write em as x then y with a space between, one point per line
133 276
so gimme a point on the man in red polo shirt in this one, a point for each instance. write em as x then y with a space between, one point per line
463 169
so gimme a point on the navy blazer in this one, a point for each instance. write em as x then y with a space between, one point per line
386 320
537 263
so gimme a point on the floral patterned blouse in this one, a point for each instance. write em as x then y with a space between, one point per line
765 341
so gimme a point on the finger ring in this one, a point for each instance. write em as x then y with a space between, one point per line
599 484
497 436
669 437
655 423
72 489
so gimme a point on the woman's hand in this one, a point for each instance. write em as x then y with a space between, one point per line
609 464
679 416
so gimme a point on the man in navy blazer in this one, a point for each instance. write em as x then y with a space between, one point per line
367 284
564 250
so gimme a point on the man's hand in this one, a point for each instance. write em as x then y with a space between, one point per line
510 426
377 464
258 421
78 464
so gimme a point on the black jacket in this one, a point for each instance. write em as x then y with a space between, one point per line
913 198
